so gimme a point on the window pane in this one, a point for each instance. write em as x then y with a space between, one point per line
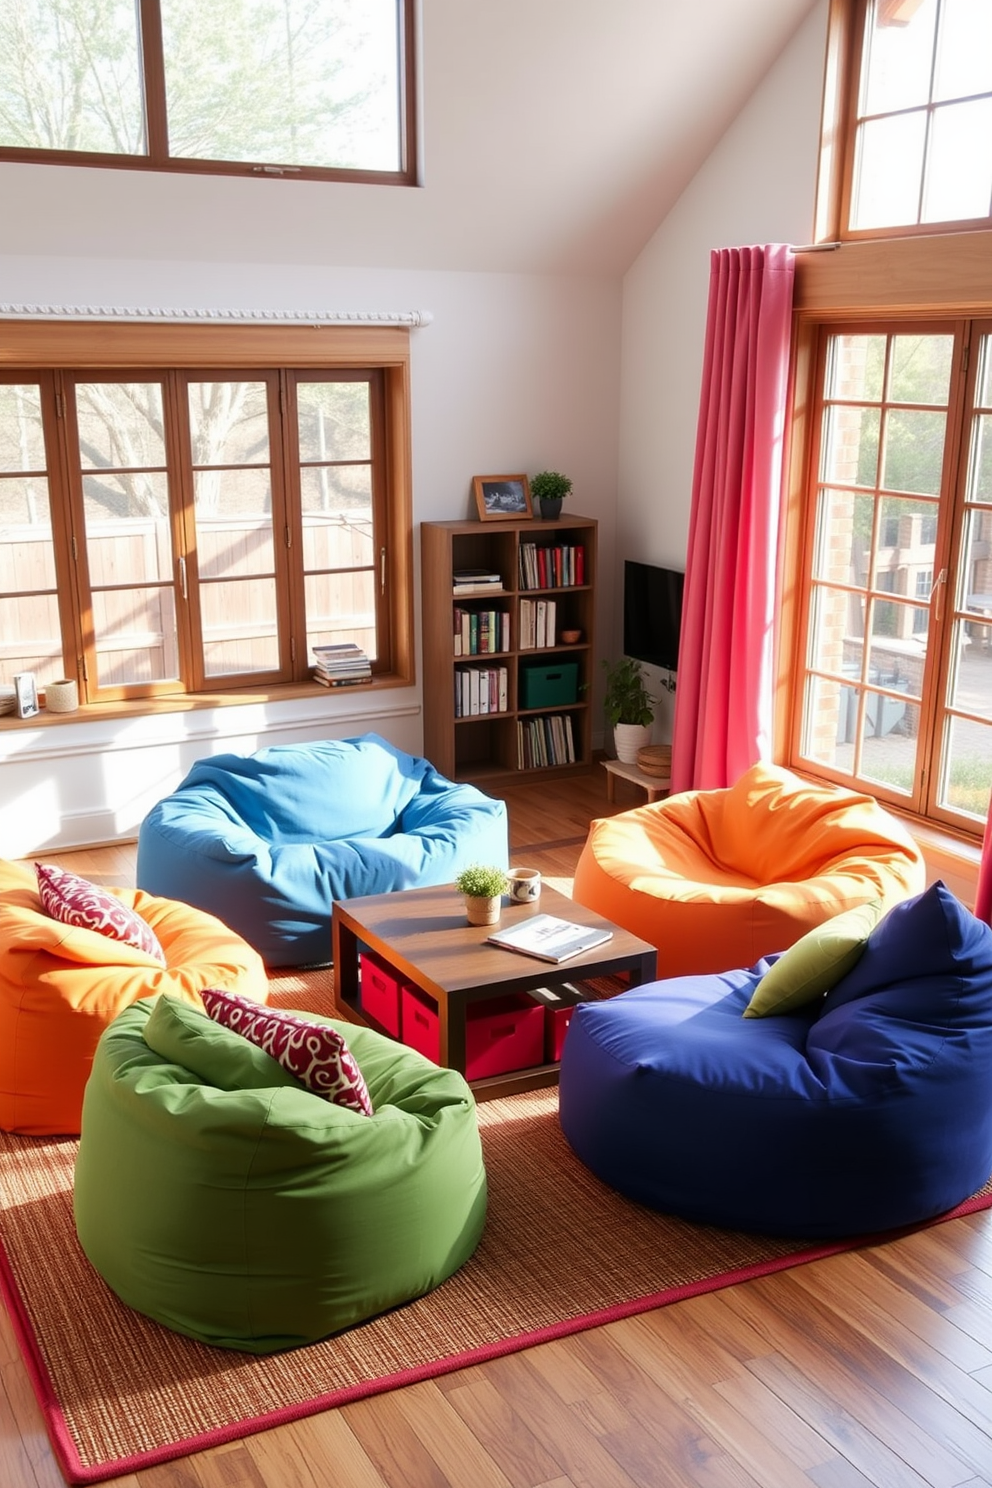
70 76
897 653
964 50
888 749
240 633
342 489
27 553
22 443
843 537
980 470
127 528
135 636
120 425
304 82
984 390
229 423
888 172
30 638
921 369
914 451
855 368
824 719
341 607
896 72
966 782
975 591
336 541
970 688
334 421
835 643
850 446
959 163
240 541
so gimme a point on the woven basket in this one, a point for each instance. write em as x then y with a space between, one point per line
655 759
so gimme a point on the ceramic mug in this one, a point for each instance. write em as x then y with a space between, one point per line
525 885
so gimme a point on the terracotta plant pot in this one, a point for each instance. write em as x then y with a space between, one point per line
483 911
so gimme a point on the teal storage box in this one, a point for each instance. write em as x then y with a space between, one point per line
549 686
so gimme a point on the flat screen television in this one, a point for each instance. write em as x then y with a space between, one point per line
652 613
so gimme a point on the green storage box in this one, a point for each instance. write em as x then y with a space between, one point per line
549 686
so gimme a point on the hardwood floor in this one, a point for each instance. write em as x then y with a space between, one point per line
870 1368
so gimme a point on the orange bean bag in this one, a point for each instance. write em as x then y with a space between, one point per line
718 879
61 985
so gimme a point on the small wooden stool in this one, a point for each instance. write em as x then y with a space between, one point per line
655 785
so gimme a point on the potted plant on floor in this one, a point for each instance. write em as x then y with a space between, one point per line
549 488
629 707
483 888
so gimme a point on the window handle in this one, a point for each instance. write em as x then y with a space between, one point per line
182 577
939 583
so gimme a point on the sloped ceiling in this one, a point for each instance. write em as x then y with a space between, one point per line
557 135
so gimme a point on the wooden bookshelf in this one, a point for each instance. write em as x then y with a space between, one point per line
485 747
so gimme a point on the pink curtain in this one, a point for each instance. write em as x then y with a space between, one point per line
723 704
983 897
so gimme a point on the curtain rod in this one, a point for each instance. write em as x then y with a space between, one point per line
816 247
281 317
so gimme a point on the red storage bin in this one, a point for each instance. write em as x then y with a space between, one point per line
380 992
504 1034
556 1021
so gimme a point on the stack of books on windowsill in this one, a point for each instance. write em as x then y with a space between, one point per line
8 700
344 665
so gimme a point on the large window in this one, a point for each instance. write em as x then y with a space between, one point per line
286 87
912 104
896 681
199 530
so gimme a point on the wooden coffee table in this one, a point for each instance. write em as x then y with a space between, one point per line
423 934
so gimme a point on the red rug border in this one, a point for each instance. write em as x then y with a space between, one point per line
74 1472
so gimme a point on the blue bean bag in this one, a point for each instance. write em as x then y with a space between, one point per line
865 1110
267 842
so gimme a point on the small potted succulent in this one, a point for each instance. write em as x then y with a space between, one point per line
549 488
483 888
629 707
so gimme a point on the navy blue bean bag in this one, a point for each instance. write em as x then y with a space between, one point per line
867 1110
267 842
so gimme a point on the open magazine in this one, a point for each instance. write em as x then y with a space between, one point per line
549 938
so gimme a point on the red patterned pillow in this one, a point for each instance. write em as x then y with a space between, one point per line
75 901
316 1054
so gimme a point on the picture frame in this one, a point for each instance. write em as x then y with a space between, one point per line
502 498
26 694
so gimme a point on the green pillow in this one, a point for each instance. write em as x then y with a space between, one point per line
816 962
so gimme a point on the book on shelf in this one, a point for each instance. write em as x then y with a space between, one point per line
475 581
481 690
559 567
549 938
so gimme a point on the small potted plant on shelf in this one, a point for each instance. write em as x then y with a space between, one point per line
629 707
549 488
483 888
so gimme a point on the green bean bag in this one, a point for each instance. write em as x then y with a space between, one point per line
217 1195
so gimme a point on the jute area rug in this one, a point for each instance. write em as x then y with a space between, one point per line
121 1393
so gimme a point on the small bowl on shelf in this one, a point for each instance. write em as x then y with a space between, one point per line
571 636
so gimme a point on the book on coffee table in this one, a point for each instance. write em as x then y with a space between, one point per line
549 938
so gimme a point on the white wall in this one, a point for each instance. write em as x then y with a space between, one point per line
514 373
756 187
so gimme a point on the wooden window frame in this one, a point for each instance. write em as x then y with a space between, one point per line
157 157
937 278
838 124
42 348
